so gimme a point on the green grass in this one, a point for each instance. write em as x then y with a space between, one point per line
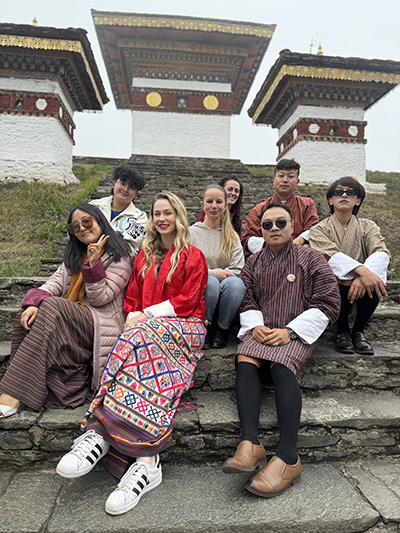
33 215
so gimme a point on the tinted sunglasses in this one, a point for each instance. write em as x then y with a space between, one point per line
86 222
280 224
340 192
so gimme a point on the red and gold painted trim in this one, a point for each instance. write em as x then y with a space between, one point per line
181 102
329 130
37 104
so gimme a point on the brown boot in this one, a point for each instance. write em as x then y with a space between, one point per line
248 457
274 479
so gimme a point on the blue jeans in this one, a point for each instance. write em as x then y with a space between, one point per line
230 293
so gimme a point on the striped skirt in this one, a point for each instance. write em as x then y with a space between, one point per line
51 364
148 370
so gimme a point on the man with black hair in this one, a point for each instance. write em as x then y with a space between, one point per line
305 216
359 258
291 296
119 210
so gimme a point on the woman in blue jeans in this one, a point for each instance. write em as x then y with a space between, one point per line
220 244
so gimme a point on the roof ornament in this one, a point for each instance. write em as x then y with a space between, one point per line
34 22
320 52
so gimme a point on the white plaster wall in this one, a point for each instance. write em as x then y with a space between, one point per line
313 111
35 148
325 162
35 85
181 134
191 85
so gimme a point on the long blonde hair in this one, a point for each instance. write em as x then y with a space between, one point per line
228 234
152 244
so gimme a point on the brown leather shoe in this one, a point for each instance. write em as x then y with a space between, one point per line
274 479
247 458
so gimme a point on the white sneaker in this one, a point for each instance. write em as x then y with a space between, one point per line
140 478
86 451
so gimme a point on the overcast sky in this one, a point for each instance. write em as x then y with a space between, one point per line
348 28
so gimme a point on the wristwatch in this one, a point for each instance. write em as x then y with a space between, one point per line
292 334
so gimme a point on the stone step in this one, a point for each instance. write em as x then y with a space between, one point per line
13 289
335 425
329 499
326 370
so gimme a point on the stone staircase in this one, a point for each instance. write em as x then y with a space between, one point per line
351 404
349 439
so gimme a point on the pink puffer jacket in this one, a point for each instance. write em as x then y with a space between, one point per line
103 296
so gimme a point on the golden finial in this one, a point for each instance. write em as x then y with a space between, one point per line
320 53
34 22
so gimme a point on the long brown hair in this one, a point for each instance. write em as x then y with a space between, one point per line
228 234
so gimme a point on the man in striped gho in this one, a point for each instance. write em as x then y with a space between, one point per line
291 296
358 256
303 209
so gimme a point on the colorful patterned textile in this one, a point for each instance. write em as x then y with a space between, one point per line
148 370
303 210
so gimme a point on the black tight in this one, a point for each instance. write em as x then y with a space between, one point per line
365 309
287 401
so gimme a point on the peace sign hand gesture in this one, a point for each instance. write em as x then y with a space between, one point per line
94 250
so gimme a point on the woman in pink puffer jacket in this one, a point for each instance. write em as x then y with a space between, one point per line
65 330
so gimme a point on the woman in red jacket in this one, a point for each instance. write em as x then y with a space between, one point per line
151 364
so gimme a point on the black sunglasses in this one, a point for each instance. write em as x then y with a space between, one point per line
86 222
281 223
340 192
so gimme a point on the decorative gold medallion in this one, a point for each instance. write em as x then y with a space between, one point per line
153 99
210 102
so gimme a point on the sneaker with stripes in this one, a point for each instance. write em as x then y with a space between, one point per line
139 479
86 451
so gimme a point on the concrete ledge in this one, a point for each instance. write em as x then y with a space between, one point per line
334 425
194 500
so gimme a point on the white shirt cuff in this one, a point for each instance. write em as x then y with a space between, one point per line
255 244
342 265
309 325
305 235
132 314
249 320
162 309
378 263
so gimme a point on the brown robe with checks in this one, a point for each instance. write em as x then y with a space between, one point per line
268 290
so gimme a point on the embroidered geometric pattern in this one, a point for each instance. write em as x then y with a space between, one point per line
147 371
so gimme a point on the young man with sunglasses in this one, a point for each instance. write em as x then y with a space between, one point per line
119 210
291 296
357 254
286 179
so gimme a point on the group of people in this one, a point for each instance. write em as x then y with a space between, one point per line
137 350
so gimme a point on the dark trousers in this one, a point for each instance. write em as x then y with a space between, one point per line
365 309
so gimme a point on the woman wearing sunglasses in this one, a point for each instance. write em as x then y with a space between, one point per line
220 244
152 363
358 256
65 329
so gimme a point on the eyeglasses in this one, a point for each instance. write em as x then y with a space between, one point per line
340 192
75 227
281 223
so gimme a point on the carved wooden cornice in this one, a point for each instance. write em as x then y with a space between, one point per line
54 45
156 21
325 73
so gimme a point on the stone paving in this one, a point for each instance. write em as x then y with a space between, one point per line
351 497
